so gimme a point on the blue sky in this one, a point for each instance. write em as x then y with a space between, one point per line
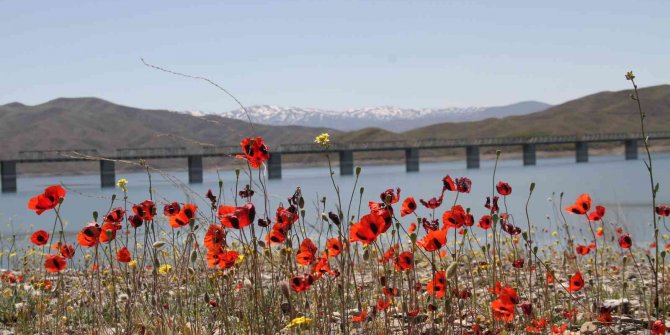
329 54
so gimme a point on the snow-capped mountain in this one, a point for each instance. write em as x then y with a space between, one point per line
390 118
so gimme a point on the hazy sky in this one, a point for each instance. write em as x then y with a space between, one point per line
330 54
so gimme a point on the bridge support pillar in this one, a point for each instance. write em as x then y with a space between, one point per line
195 169
346 163
582 152
107 174
8 172
529 154
412 159
631 149
274 166
472 156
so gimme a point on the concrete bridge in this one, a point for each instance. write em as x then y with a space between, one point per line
631 141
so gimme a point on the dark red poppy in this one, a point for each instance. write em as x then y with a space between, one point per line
485 222
54 263
404 261
334 246
123 255
408 206
434 240
390 292
171 209
463 185
145 210
215 237
432 203
582 249
255 151
493 207
390 196
211 197
518 264
448 184
40 237
89 235
135 221
576 282
185 215
301 283
115 215
625 241
48 200
581 205
503 188
510 228
663 210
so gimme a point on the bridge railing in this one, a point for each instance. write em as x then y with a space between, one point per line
151 152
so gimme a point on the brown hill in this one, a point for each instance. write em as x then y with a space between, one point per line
91 123
605 112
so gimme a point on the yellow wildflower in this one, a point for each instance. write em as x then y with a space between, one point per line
301 320
132 263
323 139
121 183
165 268
239 260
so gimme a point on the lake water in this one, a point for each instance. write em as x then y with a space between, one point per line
622 186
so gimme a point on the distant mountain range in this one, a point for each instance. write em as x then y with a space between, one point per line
92 123
389 118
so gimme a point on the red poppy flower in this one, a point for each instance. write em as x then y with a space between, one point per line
581 205
214 237
171 209
438 285
301 283
463 184
390 197
135 221
185 215
367 230
503 188
66 251
625 241
48 200
605 315
221 257
334 246
288 216
485 222
502 311
363 316
390 292
663 210
408 206
88 237
559 330
115 215
277 234
108 232
434 240
598 214
454 218
322 266
404 261
254 151
658 328
432 203
389 254
145 210
550 278
55 263
582 249
123 255
237 217
576 282
448 183
307 252
40 237
382 304
518 264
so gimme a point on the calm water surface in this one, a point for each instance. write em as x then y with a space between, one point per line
622 186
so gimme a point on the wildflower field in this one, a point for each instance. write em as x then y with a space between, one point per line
382 264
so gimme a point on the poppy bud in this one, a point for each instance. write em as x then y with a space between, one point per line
333 217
